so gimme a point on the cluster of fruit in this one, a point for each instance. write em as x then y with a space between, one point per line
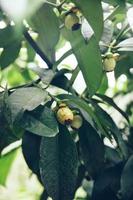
68 117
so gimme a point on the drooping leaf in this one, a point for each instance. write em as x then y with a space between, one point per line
6 162
92 149
9 54
110 126
127 181
41 122
88 57
31 151
58 165
24 99
46 23
107 184
111 102
92 11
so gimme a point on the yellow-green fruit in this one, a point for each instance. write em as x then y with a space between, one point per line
65 115
109 64
77 122
116 56
72 22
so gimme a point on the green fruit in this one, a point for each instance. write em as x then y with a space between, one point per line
65 115
72 22
109 64
77 122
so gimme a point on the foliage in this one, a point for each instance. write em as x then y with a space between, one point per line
96 156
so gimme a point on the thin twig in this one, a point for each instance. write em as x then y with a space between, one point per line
37 49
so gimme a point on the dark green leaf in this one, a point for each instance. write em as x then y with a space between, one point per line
46 23
88 57
6 162
92 11
92 149
111 128
41 122
58 165
7 135
9 54
112 157
8 36
111 102
25 99
107 184
31 151
127 180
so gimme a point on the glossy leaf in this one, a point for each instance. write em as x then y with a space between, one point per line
25 99
88 57
111 102
92 11
92 149
9 54
58 165
31 151
46 23
107 184
8 35
7 135
127 181
112 156
111 127
41 122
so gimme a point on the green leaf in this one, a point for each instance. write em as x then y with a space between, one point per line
25 99
92 149
112 156
107 184
41 122
92 11
7 135
8 35
46 23
111 128
127 181
88 57
31 151
58 165
111 102
9 54
6 162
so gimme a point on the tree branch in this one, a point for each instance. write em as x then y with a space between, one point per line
37 49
